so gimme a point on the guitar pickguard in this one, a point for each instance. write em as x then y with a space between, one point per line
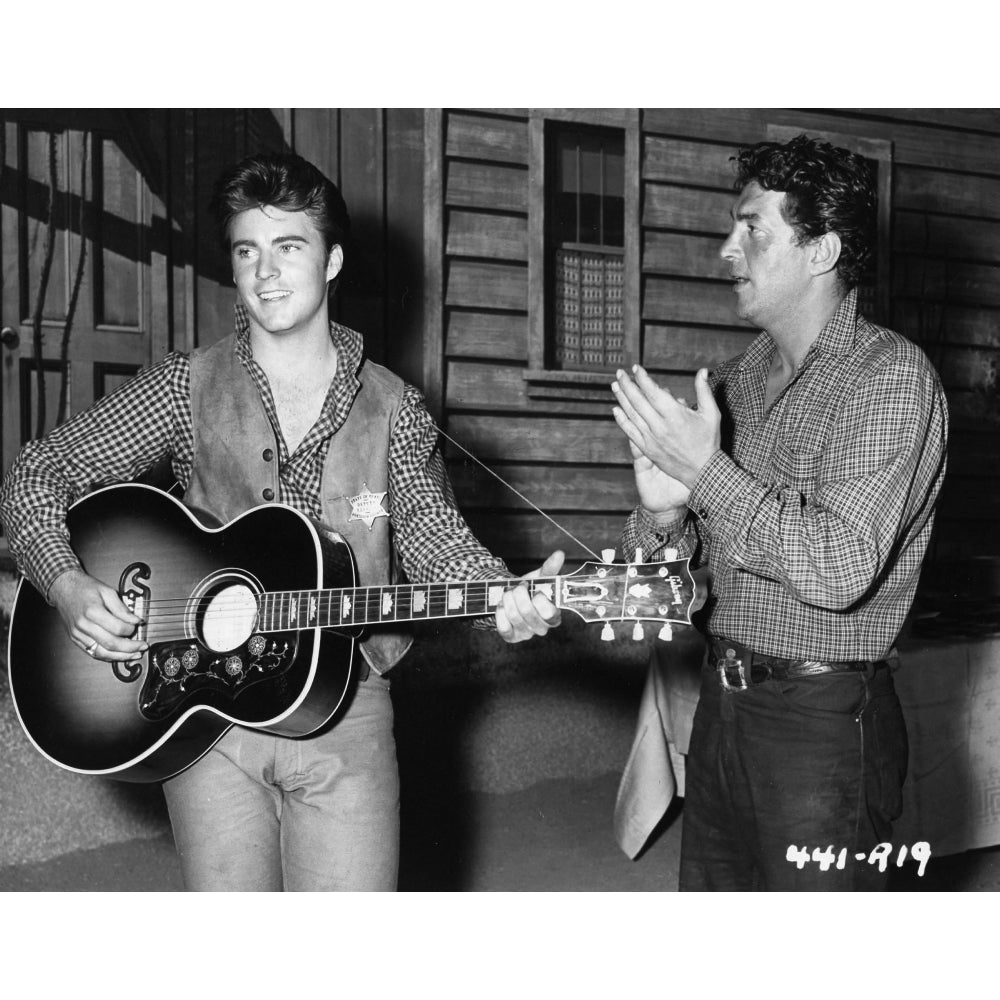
180 670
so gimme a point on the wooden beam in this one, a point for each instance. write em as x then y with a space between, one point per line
678 161
487 185
434 261
631 318
916 145
684 301
486 285
477 137
490 235
667 206
554 487
544 439
536 241
503 336
686 349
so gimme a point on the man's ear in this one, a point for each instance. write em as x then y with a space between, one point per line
826 253
334 262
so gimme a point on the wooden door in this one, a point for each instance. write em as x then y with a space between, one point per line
77 283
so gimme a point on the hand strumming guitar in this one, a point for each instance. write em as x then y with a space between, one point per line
95 617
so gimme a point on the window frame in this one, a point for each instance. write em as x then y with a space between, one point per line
582 384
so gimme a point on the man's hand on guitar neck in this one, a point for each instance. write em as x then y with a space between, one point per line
521 614
95 617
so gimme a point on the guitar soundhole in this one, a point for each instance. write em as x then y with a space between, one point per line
228 617
222 656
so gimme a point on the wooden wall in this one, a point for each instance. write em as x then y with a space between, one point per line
445 288
566 456
566 453
172 253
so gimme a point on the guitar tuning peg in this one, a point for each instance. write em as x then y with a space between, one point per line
637 632
669 555
608 633
638 555
666 633
608 555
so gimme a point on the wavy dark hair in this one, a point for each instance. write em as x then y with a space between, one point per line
286 181
827 189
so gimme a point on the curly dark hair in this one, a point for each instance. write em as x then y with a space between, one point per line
286 181
828 190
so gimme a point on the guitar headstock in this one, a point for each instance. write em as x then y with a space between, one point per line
631 591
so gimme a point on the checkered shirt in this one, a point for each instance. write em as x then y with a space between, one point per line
149 418
815 515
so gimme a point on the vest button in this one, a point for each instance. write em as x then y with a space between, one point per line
268 494
267 455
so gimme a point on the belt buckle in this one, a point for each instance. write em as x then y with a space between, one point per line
730 660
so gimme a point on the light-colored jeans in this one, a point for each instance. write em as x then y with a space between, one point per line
265 813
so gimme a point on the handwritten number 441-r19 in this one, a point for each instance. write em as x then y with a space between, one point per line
826 858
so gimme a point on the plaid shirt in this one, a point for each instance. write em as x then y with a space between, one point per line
149 418
814 517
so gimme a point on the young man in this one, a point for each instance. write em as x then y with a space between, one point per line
285 408
805 478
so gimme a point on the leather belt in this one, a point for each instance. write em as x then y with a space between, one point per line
739 666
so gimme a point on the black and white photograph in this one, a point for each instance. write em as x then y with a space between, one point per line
473 503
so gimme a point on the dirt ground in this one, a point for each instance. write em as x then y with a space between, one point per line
555 836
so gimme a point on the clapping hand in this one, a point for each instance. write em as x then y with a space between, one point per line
672 436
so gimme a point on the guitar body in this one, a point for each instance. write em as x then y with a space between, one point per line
207 667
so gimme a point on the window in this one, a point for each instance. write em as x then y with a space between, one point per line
586 246
583 235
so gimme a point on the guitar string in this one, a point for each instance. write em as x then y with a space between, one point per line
362 592
366 600
168 610
176 608
565 531
163 616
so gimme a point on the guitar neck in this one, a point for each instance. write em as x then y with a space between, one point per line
355 606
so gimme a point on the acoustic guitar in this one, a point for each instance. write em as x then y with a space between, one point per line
253 624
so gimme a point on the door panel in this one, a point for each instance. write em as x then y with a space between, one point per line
102 208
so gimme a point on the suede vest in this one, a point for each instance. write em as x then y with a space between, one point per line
235 466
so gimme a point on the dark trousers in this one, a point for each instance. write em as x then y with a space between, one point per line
811 763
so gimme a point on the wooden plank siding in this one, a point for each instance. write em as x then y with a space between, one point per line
473 385
481 234
558 486
559 445
520 537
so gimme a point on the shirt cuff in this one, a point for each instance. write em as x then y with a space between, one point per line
644 530
716 489
663 529
52 571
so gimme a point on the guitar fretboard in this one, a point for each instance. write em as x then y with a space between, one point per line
301 609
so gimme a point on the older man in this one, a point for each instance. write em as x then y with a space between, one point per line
805 477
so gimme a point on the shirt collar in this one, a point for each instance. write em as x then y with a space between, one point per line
839 336
350 344
350 357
